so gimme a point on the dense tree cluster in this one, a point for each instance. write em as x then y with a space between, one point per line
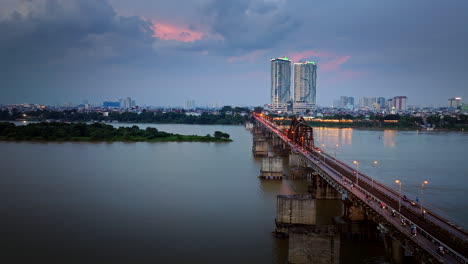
227 116
404 121
97 131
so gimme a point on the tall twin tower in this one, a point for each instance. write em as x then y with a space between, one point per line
305 77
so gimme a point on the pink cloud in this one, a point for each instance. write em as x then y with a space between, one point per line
328 61
334 64
172 32
297 56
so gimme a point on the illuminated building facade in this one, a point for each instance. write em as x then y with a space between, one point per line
280 83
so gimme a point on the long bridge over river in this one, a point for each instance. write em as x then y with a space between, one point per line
368 195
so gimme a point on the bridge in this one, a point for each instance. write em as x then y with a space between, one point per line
375 198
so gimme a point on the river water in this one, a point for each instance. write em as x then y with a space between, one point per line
193 202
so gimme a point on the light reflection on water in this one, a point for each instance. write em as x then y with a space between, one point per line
411 157
177 202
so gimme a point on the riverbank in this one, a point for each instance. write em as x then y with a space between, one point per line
380 126
97 132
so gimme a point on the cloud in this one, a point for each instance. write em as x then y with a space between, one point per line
45 32
172 32
302 55
248 25
334 64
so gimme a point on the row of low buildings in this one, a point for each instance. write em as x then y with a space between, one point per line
397 103
123 103
305 79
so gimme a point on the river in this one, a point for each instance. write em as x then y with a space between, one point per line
193 202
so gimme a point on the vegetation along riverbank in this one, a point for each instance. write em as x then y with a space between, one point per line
59 131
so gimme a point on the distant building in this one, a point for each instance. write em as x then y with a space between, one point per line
280 83
367 102
128 103
381 102
399 102
346 102
305 84
189 104
455 102
111 104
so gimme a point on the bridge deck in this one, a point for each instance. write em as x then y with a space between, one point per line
433 230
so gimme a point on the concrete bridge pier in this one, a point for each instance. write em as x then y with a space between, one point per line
320 189
279 147
298 166
314 245
260 146
272 168
249 125
292 210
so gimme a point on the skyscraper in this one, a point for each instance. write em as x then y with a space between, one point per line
280 83
305 82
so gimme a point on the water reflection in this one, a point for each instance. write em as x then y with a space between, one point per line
390 137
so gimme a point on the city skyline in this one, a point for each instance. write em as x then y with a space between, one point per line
217 51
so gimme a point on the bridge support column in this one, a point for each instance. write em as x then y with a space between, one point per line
272 168
299 168
294 210
249 125
320 189
397 252
279 147
314 244
260 146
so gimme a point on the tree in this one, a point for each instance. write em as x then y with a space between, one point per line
258 109
219 134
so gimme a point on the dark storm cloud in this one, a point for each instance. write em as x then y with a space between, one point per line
249 24
67 32
241 26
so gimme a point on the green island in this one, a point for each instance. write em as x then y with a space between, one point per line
59 131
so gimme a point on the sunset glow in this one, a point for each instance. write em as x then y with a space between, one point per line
173 32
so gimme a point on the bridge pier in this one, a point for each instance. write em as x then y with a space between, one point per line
298 166
294 210
320 189
314 245
272 168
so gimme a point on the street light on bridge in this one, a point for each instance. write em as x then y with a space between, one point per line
357 172
422 192
336 148
374 164
399 198
323 152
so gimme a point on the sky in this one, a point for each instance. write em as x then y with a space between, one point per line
164 53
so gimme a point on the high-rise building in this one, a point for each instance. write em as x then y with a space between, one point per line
455 102
399 102
280 83
305 82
